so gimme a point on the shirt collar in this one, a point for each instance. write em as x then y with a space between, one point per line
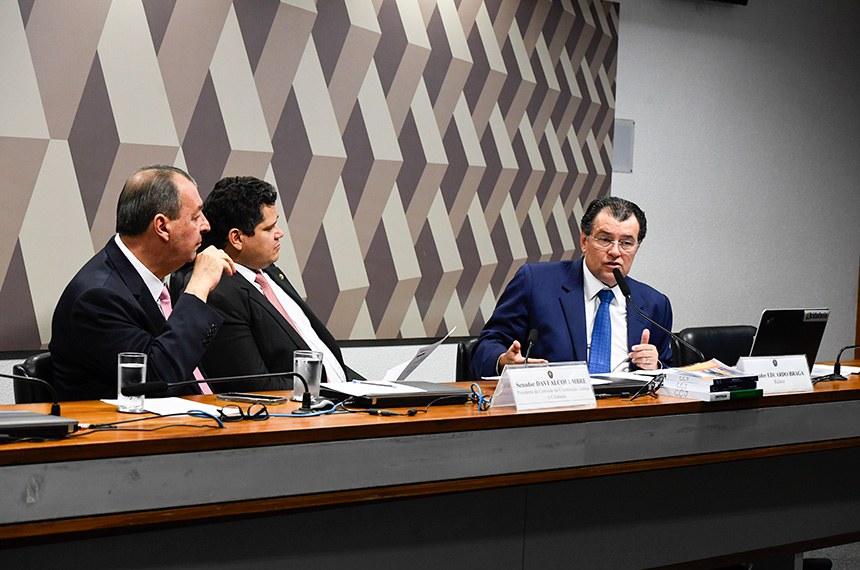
592 286
153 283
246 272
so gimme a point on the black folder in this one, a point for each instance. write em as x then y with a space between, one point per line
425 393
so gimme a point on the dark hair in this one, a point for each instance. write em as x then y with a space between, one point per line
150 191
236 202
619 208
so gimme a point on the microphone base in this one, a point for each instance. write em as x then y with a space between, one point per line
829 378
306 406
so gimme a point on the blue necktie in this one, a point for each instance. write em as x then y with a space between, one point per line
600 355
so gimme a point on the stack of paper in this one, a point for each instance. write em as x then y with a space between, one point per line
709 381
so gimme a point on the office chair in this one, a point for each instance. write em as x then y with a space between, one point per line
463 373
726 343
36 366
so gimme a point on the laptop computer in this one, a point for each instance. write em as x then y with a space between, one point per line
395 394
17 424
790 331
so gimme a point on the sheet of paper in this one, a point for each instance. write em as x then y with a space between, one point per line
825 369
402 371
393 373
623 375
363 388
166 406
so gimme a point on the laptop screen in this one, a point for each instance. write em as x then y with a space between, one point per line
790 331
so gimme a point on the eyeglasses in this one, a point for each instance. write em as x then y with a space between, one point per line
605 244
234 413
650 388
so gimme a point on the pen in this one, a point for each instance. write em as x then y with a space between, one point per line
366 383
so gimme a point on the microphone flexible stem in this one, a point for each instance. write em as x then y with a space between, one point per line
55 404
621 280
667 331
531 342
837 367
146 388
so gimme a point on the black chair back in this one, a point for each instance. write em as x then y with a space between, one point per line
464 359
726 343
36 366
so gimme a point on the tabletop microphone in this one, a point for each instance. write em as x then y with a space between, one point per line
625 290
55 405
530 342
837 366
150 388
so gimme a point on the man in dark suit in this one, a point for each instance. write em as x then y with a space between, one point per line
561 301
112 304
257 337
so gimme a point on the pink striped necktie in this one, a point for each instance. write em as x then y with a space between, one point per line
269 293
166 309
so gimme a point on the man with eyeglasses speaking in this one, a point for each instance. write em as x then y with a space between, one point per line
574 310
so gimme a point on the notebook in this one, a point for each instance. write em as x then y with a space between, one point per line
790 331
395 394
15 424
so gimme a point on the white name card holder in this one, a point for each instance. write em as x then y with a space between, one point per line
778 374
543 386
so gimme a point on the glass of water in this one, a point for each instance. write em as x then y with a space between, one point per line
309 364
130 369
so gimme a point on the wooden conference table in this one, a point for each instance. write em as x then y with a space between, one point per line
648 483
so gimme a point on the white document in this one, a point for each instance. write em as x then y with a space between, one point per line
825 369
364 388
165 406
402 371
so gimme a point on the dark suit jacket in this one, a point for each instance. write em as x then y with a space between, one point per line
107 309
255 338
549 297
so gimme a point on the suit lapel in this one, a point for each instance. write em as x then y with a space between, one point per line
257 297
573 305
278 277
635 324
136 286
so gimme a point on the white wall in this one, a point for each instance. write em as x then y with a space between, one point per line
746 160
6 395
746 156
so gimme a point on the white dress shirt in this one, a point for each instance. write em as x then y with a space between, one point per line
334 371
591 286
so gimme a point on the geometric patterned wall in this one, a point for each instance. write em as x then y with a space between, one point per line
422 150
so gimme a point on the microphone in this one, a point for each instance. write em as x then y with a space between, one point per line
533 334
837 367
625 290
149 388
55 405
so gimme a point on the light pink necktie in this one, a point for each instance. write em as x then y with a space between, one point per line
166 309
273 299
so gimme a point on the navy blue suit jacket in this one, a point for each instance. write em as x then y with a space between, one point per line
107 309
549 297
255 338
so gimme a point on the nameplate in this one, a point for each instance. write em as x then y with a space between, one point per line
544 386
778 374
